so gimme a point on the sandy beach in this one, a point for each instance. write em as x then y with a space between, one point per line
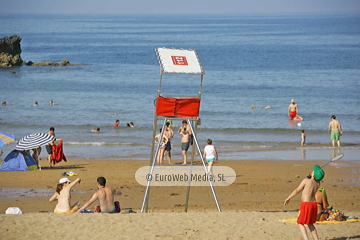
252 206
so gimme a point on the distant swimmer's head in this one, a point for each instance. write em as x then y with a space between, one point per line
292 101
318 173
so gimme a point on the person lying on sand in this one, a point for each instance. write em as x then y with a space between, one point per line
63 196
105 195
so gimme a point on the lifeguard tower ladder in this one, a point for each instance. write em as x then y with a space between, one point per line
177 107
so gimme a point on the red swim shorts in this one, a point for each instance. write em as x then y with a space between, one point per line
292 115
307 213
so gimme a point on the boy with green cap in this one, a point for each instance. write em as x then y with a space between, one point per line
308 209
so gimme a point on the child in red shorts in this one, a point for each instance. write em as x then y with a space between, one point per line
308 208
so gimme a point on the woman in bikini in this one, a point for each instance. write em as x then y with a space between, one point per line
163 142
63 196
322 204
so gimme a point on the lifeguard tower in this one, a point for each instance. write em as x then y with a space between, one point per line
177 107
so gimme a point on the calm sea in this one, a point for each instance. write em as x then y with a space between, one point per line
248 60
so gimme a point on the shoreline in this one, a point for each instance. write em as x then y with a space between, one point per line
266 182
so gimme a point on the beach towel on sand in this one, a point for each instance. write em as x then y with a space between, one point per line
294 220
58 153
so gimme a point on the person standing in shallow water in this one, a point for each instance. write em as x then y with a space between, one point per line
293 110
335 130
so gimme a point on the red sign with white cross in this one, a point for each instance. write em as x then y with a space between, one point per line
179 60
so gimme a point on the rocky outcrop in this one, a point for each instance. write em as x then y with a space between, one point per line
44 64
10 54
10 51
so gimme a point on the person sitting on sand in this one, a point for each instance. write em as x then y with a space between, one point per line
322 204
96 130
105 195
63 196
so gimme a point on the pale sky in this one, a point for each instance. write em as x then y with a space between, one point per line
177 7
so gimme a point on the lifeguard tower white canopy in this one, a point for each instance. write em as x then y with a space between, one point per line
177 107
179 61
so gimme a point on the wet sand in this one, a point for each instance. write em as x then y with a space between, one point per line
251 207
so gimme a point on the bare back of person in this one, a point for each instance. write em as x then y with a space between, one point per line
309 191
293 107
106 199
64 199
335 125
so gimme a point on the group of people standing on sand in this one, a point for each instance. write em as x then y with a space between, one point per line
48 147
334 127
165 143
104 194
210 153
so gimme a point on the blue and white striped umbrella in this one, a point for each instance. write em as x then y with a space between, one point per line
34 140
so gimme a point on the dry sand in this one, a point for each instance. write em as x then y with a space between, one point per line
251 207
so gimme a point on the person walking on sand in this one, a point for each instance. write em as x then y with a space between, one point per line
105 195
335 130
169 133
185 140
210 154
308 208
63 196
293 109
49 146
163 142
303 138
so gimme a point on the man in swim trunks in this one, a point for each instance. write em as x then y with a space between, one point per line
308 207
334 130
293 109
185 131
49 146
105 195
169 134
